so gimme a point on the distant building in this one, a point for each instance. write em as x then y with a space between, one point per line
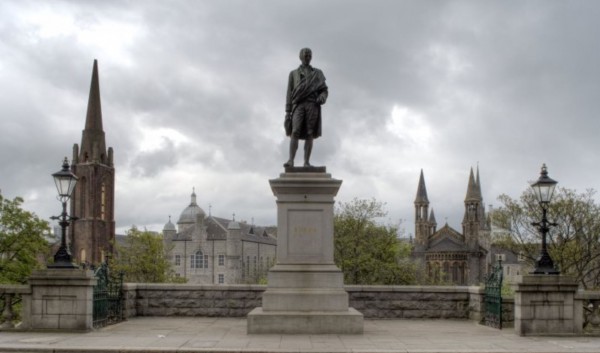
213 250
449 255
92 235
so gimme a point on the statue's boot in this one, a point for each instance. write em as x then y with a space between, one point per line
308 144
293 149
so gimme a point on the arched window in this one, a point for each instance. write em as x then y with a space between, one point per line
446 274
197 260
103 201
455 278
82 185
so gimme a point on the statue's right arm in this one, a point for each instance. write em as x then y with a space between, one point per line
288 97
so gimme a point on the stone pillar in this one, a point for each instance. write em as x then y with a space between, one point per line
61 299
545 305
305 293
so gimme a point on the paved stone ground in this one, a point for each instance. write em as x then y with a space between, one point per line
199 334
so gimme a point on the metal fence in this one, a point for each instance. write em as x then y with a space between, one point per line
493 297
108 298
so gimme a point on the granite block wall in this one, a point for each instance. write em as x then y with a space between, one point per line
377 302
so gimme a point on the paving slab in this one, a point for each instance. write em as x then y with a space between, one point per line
228 335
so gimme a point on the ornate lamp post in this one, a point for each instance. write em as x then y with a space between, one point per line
65 184
544 189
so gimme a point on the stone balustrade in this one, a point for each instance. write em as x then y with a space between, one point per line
11 294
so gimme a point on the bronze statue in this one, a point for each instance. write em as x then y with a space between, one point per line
306 92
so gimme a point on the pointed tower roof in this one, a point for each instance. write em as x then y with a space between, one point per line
432 217
478 182
473 192
421 191
93 144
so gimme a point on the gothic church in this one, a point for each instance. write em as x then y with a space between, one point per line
448 255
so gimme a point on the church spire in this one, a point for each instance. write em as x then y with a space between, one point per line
93 146
477 181
473 191
421 191
432 218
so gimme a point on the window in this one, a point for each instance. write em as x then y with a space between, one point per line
221 260
177 260
221 278
247 265
196 260
205 261
255 265
103 201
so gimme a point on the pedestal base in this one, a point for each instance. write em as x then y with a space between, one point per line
305 322
61 300
545 305
306 292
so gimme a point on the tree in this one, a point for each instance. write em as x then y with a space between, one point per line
367 252
574 244
22 244
142 258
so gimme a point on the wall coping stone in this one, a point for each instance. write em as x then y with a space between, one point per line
15 289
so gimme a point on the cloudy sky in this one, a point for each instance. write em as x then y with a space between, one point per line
193 95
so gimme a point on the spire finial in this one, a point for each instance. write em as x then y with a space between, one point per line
193 202
209 210
234 216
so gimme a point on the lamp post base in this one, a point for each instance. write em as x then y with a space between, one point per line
545 266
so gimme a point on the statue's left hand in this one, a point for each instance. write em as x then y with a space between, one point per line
321 100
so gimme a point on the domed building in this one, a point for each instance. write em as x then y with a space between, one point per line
212 250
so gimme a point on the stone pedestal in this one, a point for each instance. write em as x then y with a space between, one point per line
61 299
545 305
305 294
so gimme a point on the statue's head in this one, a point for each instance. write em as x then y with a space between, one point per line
305 56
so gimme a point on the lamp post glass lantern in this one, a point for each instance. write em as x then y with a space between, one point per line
65 182
543 189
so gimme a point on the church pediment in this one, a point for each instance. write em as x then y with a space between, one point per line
447 245
447 232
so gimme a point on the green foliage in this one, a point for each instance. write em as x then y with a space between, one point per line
574 244
507 290
367 252
22 244
142 259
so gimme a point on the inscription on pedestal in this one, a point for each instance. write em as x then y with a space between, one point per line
305 240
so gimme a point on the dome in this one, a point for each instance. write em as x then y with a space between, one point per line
169 226
190 213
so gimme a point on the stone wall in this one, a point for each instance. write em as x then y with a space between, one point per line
168 299
410 302
407 302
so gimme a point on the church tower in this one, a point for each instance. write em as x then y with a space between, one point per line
422 225
473 219
92 235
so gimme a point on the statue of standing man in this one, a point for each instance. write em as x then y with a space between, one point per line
306 92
